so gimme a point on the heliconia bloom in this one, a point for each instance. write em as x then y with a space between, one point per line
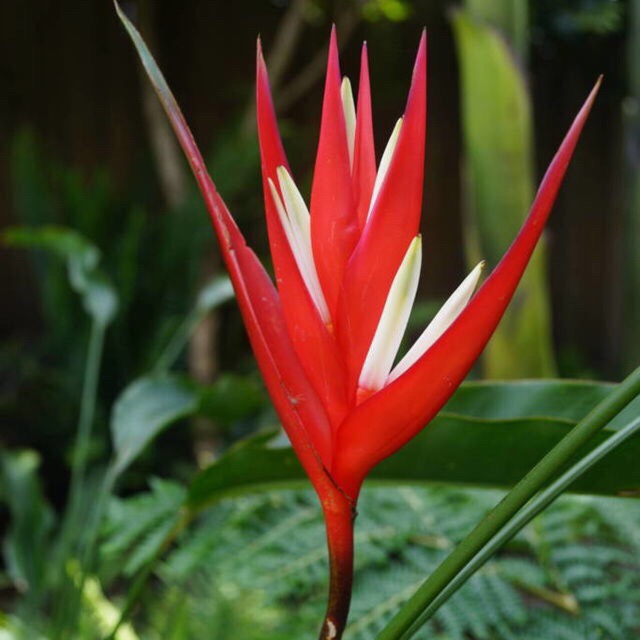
326 336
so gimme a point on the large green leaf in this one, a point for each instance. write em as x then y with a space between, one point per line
150 405
497 131
144 409
499 431
489 435
566 399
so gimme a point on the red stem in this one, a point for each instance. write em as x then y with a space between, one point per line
339 514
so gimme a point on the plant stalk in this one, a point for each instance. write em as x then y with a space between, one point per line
339 514
87 410
70 524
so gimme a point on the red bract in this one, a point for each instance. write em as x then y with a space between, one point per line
346 274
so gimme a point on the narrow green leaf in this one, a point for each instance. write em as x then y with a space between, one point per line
536 480
99 298
529 512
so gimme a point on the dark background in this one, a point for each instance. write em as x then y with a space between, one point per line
69 74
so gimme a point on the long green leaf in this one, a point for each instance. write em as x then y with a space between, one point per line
515 423
561 399
497 130
529 512
555 462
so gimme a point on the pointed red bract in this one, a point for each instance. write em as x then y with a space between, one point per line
394 222
357 258
334 226
305 420
364 157
390 418
313 342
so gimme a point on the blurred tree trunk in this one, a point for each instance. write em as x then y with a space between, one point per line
498 140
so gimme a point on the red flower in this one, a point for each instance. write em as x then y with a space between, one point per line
346 273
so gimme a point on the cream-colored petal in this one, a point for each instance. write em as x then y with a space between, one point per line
449 311
349 108
393 320
385 161
295 206
294 217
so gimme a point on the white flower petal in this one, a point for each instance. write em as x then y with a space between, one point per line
349 108
294 217
295 206
385 161
449 311
393 320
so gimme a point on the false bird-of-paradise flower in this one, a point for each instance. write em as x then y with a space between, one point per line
326 336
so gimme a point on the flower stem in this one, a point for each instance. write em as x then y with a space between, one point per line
339 516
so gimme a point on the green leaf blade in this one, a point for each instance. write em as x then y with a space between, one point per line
455 448
144 410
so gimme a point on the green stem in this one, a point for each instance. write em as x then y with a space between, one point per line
72 602
534 481
178 341
87 411
526 515
71 523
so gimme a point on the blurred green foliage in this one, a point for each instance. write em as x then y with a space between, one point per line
570 18
394 10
